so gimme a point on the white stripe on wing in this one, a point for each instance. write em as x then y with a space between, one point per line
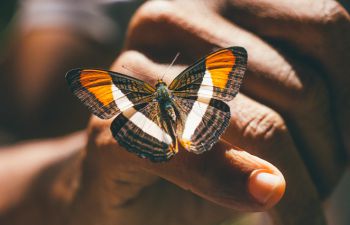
140 120
198 110
149 127
121 100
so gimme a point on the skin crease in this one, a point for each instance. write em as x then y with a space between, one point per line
286 114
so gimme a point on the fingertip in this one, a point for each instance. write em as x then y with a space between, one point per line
266 187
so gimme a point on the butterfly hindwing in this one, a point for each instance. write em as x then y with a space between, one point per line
202 122
140 132
218 75
108 93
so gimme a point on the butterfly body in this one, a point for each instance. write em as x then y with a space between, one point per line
169 114
152 121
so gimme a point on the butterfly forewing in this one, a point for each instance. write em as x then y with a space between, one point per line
108 93
218 75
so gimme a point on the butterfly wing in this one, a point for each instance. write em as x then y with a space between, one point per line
140 132
218 75
201 122
199 92
108 93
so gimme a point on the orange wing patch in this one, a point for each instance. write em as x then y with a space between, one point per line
185 143
99 83
220 65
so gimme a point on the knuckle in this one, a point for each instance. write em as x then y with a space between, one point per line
155 11
162 18
266 125
130 58
330 12
136 64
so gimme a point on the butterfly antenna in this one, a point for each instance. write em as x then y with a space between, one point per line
171 64
132 70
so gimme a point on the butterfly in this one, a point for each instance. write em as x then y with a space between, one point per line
151 121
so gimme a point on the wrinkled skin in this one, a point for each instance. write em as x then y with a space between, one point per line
291 118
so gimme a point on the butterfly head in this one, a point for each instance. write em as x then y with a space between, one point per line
160 82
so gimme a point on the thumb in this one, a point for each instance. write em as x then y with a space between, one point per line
227 176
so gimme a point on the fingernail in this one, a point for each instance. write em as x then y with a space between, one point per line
265 187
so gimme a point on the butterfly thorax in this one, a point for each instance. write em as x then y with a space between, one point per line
163 95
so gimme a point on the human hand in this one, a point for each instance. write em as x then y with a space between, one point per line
289 111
